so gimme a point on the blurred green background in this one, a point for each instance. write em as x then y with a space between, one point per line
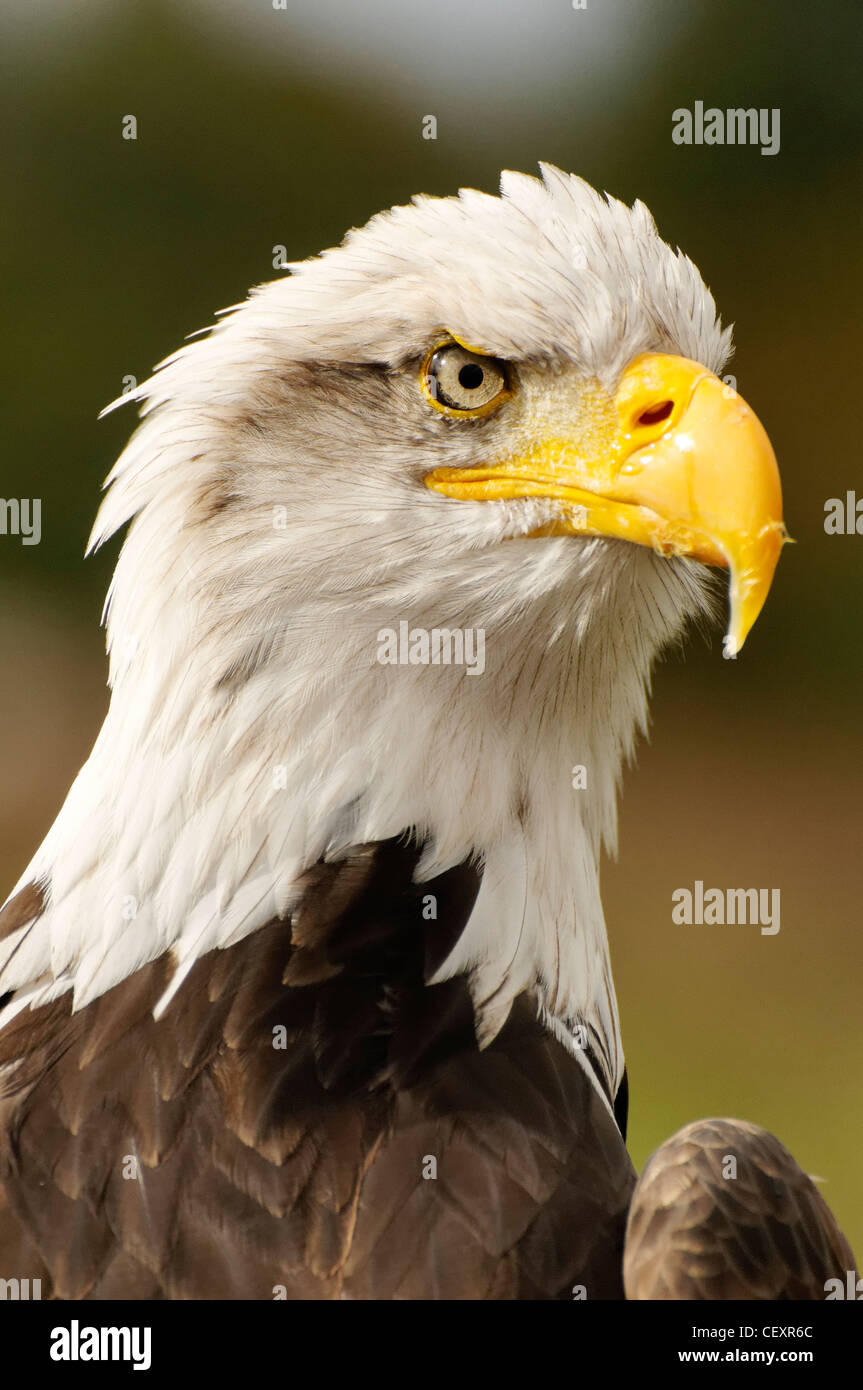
258 127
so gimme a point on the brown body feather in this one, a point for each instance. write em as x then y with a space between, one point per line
189 1157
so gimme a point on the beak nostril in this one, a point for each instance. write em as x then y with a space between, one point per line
655 414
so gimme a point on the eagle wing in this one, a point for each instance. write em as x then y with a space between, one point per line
723 1211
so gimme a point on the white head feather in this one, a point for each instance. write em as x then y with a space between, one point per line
252 729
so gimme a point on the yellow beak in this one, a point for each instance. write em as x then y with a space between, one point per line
676 461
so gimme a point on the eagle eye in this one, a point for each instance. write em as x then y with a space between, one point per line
458 381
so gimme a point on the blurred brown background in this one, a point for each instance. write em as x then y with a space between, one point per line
258 127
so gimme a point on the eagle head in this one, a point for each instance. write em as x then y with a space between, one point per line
493 417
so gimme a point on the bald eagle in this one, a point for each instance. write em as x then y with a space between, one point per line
307 992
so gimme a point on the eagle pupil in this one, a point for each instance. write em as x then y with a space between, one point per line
471 376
